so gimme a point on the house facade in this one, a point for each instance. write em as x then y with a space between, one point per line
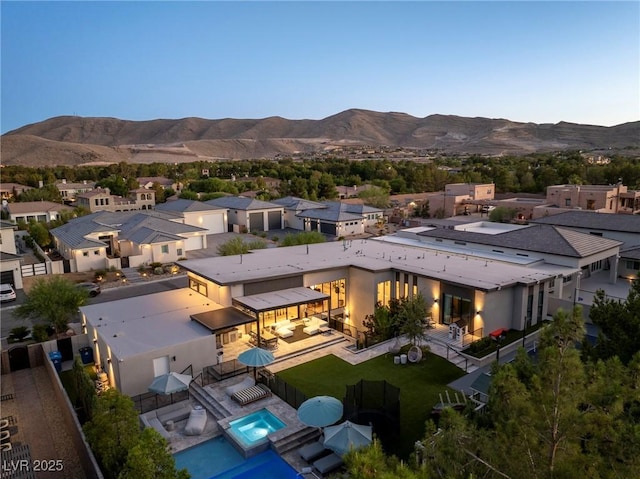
69 190
196 213
41 211
248 214
10 261
101 199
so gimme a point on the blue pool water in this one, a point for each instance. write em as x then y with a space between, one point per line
217 459
254 428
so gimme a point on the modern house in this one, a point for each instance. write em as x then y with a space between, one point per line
196 213
458 198
602 198
147 182
104 239
101 199
42 211
248 214
10 261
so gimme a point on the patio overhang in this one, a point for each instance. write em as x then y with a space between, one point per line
221 320
284 298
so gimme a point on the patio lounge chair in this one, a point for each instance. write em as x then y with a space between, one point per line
196 422
244 384
249 395
328 463
312 451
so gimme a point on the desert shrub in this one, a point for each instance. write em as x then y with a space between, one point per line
158 270
40 333
18 333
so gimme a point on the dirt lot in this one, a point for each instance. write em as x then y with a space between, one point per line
73 277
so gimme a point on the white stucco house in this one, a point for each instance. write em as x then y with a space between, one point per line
250 214
196 213
10 261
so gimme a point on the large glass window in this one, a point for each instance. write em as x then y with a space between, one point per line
336 290
198 286
455 308
540 304
384 293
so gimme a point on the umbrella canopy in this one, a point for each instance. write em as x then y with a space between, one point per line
170 383
320 411
347 435
256 357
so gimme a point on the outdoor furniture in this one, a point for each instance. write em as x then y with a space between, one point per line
415 354
313 325
403 359
312 451
249 395
283 328
328 463
244 384
196 422
159 418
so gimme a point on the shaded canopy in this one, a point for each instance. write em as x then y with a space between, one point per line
170 383
347 435
320 411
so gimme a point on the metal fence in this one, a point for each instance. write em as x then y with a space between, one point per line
285 391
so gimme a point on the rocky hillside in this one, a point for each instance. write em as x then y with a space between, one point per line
75 140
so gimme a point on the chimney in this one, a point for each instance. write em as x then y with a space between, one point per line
40 184
64 181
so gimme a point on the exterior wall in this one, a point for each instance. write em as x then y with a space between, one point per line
265 218
293 221
8 240
629 268
13 265
497 309
350 228
361 296
43 216
95 259
587 197
134 374
214 222
193 242
472 190
371 219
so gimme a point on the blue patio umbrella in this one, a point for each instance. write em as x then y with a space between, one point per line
170 383
256 357
320 411
347 435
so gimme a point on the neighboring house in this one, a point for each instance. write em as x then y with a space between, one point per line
11 190
104 239
602 198
459 198
147 182
69 191
101 199
345 192
10 261
196 213
293 207
250 214
42 211
625 228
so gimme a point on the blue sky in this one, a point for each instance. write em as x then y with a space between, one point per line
542 62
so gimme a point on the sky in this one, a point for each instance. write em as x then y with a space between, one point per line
540 62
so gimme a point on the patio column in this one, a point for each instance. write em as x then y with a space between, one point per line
258 322
613 268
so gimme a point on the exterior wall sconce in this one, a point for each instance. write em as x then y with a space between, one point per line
95 341
173 358
108 360
478 312
435 300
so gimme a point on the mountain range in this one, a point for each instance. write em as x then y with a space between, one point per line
73 140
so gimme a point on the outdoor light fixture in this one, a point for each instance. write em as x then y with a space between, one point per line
108 360
95 341
478 312
435 300
173 358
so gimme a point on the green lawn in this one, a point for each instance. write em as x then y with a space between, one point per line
420 385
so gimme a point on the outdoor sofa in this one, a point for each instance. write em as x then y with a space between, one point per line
158 418
313 325
328 463
283 328
197 422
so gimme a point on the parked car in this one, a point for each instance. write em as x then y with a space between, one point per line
92 288
7 293
488 208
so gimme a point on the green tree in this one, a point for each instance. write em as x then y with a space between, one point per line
151 459
375 196
305 237
56 301
237 245
619 323
379 324
412 318
85 390
39 233
46 193
113 431
502 214
372 463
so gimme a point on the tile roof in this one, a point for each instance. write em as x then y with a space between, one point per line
7 225
593 220
298 204
242 203
25 207
537 238
183 206
631 253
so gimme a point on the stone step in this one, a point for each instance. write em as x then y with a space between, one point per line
214 407
132 275
296 440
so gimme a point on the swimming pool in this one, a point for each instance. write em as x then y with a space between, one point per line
253 429
217 459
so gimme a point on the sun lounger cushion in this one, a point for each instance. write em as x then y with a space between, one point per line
284 332
328 463
196 422
244 384
312 451
251 394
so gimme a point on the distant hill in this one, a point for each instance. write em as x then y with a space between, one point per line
73 140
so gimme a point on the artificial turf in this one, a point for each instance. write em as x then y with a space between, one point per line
420 387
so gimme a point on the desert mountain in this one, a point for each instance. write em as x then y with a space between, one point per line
73 140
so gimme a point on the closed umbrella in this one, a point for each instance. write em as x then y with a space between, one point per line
320 411
347 435
256 357
170 383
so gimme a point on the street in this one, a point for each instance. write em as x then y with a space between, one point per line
8 321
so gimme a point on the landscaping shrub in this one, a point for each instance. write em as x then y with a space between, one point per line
40 333
18 333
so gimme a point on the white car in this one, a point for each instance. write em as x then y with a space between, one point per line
488 208
7 293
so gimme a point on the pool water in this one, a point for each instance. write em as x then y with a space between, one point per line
253 429
217 459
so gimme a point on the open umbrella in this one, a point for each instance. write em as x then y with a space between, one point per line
256 357
347 435
170 383
320 411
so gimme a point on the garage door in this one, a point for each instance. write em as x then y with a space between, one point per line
6 277
214 224
256 222
313 225
275 221
193 243
328 228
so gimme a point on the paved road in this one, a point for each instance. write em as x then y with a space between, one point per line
8 321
